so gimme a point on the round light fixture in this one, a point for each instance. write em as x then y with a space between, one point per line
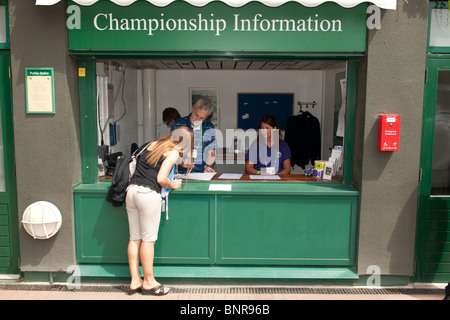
42 220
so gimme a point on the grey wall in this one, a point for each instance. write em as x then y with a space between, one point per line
48 155
46 146
394 84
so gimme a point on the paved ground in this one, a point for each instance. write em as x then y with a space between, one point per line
60 291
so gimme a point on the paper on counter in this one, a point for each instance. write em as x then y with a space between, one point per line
231 176
203 176
220 187
265 177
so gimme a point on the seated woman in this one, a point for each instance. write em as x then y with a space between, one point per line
268 154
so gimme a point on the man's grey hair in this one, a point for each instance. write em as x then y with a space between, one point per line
205 105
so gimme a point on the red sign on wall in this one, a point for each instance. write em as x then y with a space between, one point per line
388 132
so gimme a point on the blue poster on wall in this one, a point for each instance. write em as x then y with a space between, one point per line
252 106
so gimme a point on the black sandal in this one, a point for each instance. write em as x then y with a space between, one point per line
133 291
154 291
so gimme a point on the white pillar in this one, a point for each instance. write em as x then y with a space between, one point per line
149 102
140 107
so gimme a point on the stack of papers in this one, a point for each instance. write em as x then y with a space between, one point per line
231 176
202 176
265 177
196 176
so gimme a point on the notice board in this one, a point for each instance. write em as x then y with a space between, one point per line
252 106
40 92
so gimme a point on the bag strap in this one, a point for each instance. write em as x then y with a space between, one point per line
141 149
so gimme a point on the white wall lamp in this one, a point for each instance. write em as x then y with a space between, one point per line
42 220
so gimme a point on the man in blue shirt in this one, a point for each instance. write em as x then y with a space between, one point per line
205 145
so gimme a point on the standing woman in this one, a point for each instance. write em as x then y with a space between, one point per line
269 155
143 204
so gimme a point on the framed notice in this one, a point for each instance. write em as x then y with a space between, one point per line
39 90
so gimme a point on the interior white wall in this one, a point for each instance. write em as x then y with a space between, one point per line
327 122
173 90
125 101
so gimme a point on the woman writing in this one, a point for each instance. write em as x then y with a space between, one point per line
268 154
143 204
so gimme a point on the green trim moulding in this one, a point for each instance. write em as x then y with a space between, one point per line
225 272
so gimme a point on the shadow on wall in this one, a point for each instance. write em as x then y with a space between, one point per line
415 8
35 257
382 158
401 243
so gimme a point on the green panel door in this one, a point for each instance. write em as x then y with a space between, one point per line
281 230
433 223
102 232
101 229
9 243
187 237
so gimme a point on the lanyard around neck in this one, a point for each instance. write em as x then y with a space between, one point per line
265 156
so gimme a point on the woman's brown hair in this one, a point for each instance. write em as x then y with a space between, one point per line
182 138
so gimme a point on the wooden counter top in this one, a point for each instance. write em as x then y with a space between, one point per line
246 177
283 178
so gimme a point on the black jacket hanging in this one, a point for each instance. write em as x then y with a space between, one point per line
304 138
